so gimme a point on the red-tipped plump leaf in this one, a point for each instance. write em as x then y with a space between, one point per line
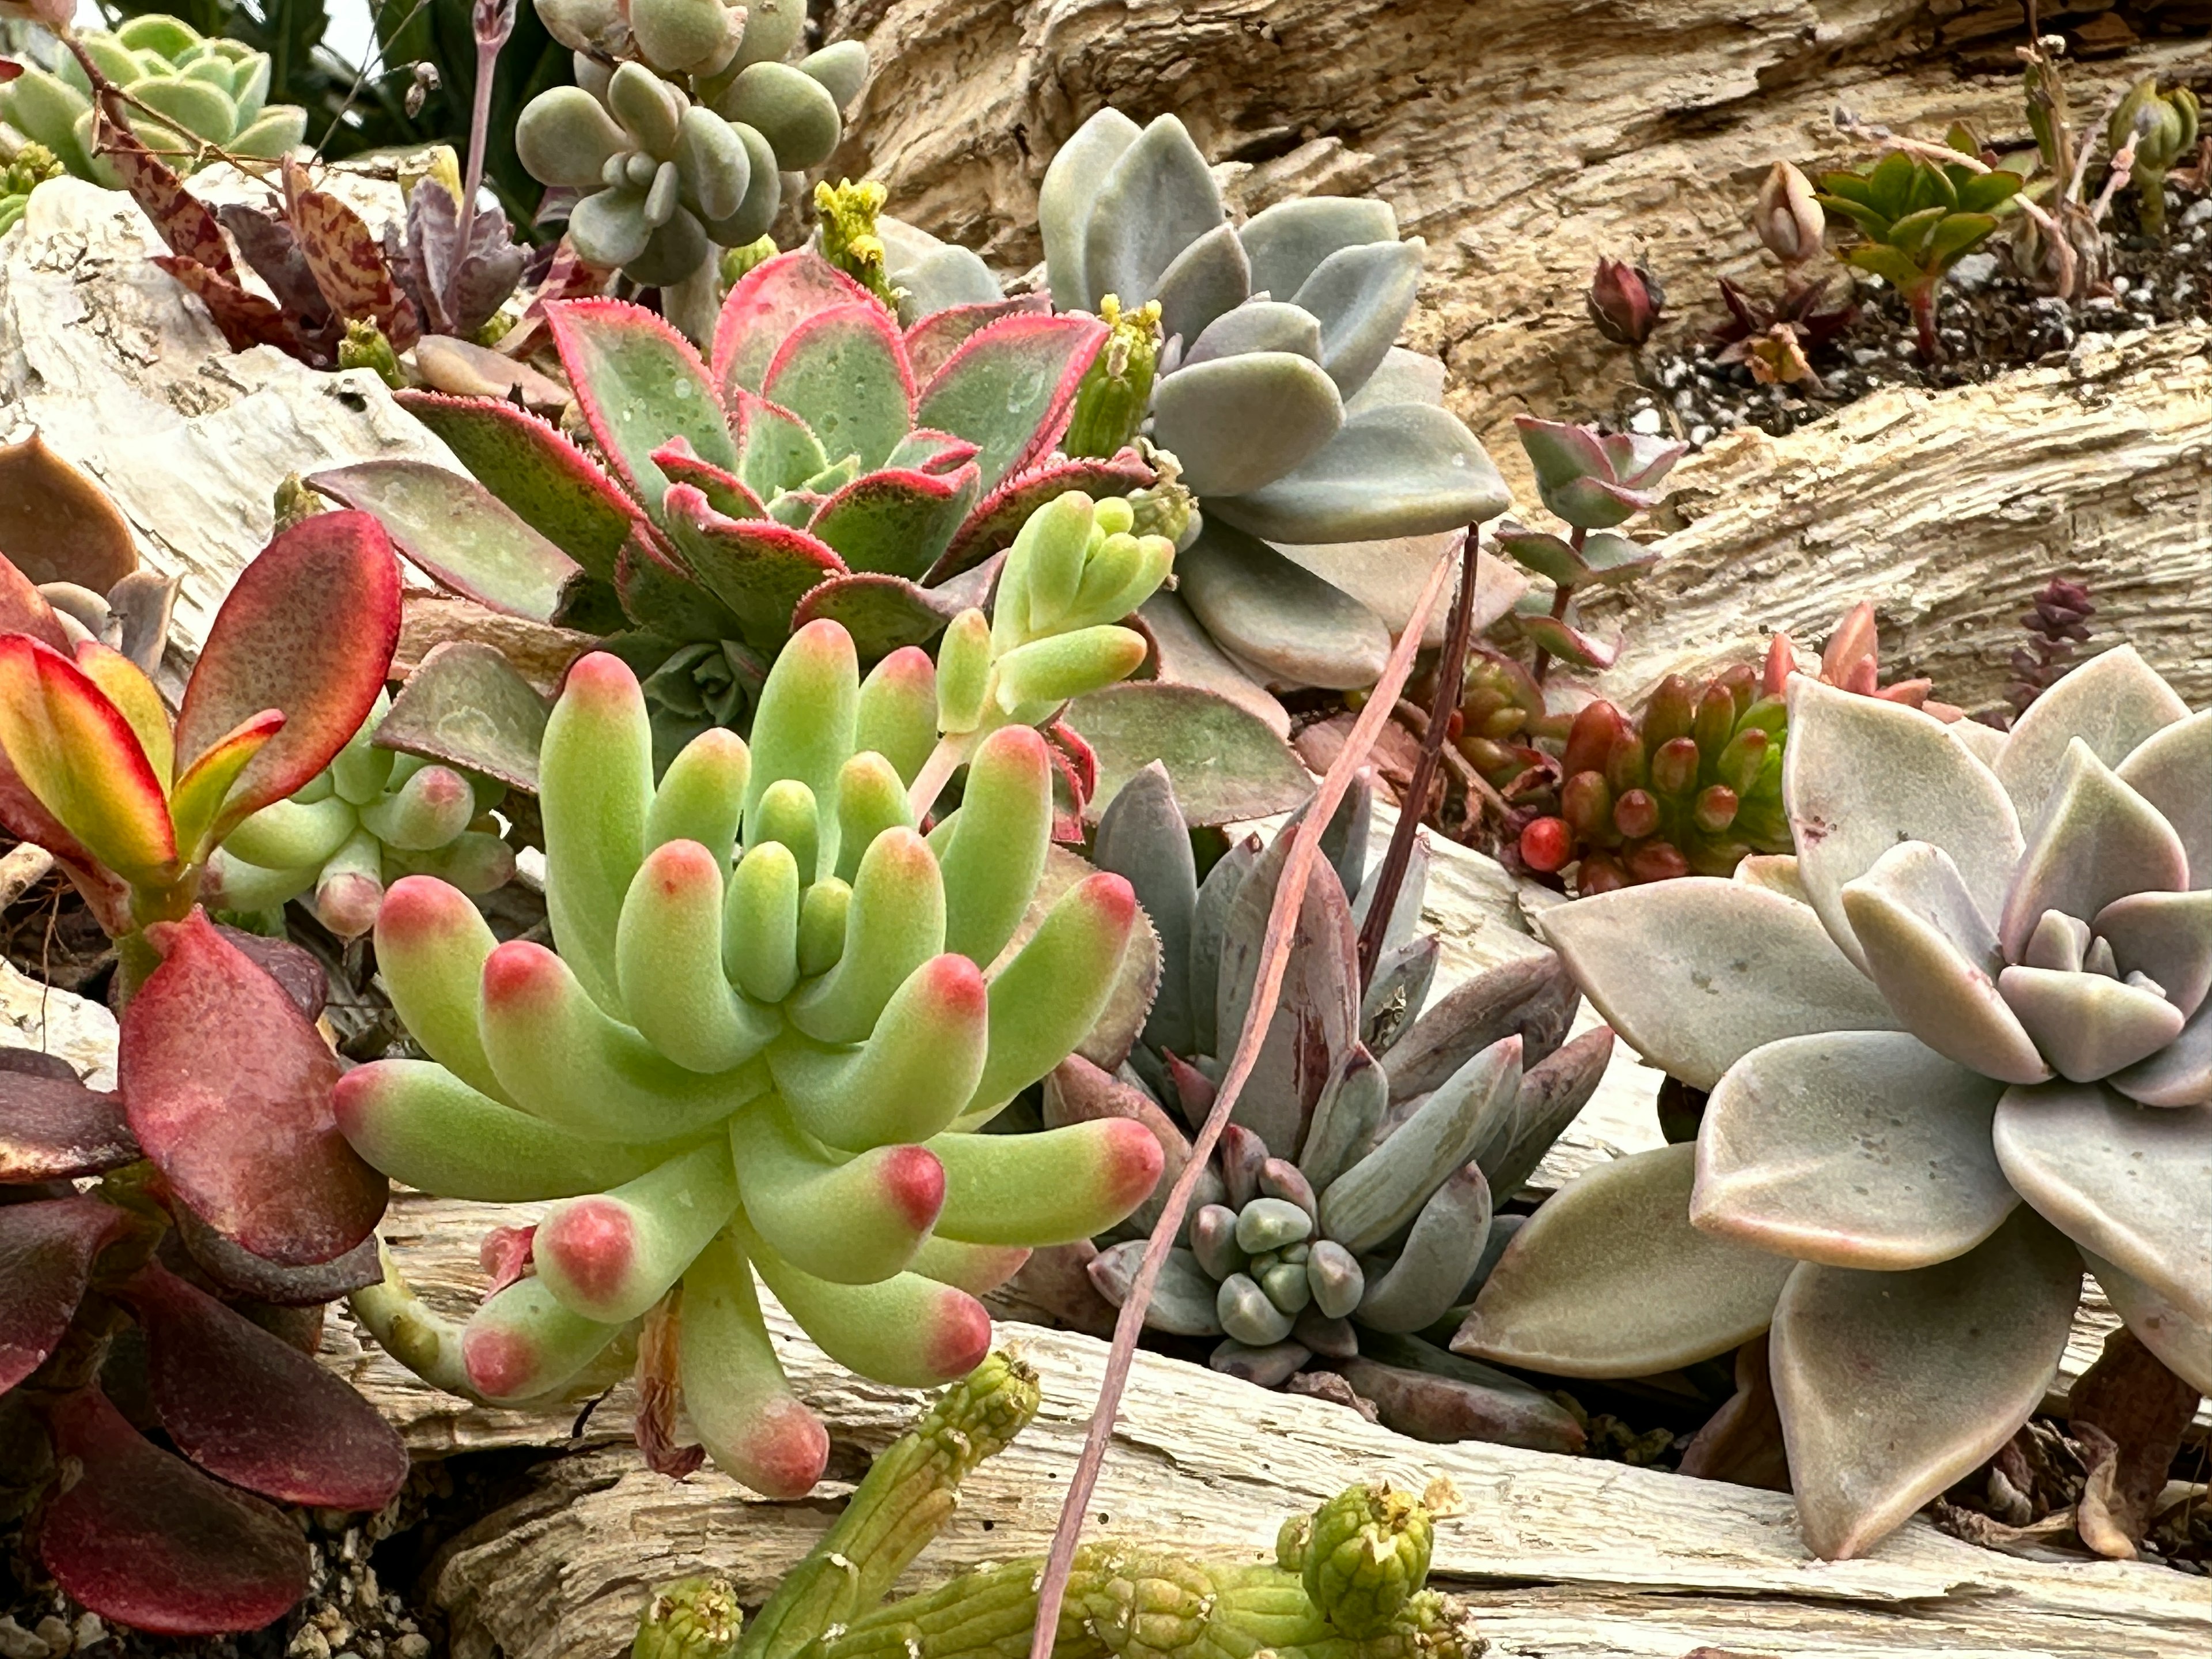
245 319
144 1539
47 1252
228 1086
898 522
769 300
725 491
186 223
249 1406
1009 388
639 384
882 613
52 1127
462 534
844 372
931 342
1000 515
758 568
76 753
346 261
308 630
547 481
24 610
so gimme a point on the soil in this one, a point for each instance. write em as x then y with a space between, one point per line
1989 321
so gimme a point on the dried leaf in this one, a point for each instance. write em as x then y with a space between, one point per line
55 524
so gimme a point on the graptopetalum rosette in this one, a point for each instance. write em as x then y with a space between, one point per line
177 1290
1982 981
775 1018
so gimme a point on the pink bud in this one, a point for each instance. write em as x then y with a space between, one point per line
1625 301
1788 219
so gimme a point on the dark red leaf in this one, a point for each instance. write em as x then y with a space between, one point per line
52 1127
232 1267
145 1540
228 1089
185 222
309 629
265 241
47 1252
246 319
245 1405
9 69
348 265
290 965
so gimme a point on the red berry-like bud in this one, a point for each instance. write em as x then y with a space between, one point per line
1586 803
1624 766
1591 738
1656 860
1635 814
1672 711
1547 844
1623 302
1716 809
1675 768
1600 873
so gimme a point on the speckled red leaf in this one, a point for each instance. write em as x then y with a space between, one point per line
348 265
52 1127
292 966
248 1406
308 629
246 319
186 223
1000 514
46 1252
144 1539
228 1089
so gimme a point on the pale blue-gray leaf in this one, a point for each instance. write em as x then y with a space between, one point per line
1288 241
2172 770
1207 278
1406 469
1238 422
1158 199
2114 702
1278 616
1258 325
2096 841
1065 201
1362 296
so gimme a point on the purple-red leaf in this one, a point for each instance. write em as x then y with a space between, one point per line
463 536
52 1127
1009 388
346 261
769 302
308 629
996 521
932 342
75 752
241 1271
228 1089
640 383
881 612
147 1541
548 483
248 1406
294 967
185 222
47 1252
756 567
265 241
895 522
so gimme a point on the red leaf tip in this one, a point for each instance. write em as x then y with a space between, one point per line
914 1181
519 972
593 1241
785 1449
1131 1160
960 1337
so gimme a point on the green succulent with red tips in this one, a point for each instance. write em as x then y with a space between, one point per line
822 464
780 1002
226 1207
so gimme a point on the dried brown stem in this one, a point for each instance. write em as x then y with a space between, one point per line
1274 959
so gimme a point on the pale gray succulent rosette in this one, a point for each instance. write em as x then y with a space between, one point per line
1959 1048
682 120
1295 418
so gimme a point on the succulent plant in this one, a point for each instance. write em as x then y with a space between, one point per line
825 466
1350 1208
1774 338
1594 484
1787 217
768 1058
1956 1050
682 120
1625 301
28 168
1267 372
2058 620
1920 217
190 99
227 1200
61 532
2164 127
368 818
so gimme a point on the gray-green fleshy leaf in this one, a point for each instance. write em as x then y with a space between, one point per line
2130 1183
465 706
2182 1347
1696 973
1407 470
791 110
1258 325
2172 770
843 68
1142 836
1072 183
1206 280
1402 377
463 536
1238 422
2180 1074
1860 1149
2165 936
2095 841
1609 1278
1934 957
712 163
1287 242
1159 198
2086 1025
1893 1385
1860 775
2114 702
608 227
1227 763
1362 296
1278 616
1384 1190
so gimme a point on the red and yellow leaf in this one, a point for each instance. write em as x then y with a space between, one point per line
196 801
127 687
75 752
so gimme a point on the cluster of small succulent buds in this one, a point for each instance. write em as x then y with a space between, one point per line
2058 622
1773 338
371 816
2163 126
1625 302
30 167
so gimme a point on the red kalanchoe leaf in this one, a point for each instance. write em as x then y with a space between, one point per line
24 610
346 264
52 1127
245 319
145 1540
309 630
229 1088
47 1252
72 747
248 1406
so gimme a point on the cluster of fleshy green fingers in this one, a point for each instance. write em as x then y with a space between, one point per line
371 815
189 94
777 1013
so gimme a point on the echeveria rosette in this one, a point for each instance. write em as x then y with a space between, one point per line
1278 389
1983 980
774 1017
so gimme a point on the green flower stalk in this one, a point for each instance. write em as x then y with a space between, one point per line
1111 404
846 219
